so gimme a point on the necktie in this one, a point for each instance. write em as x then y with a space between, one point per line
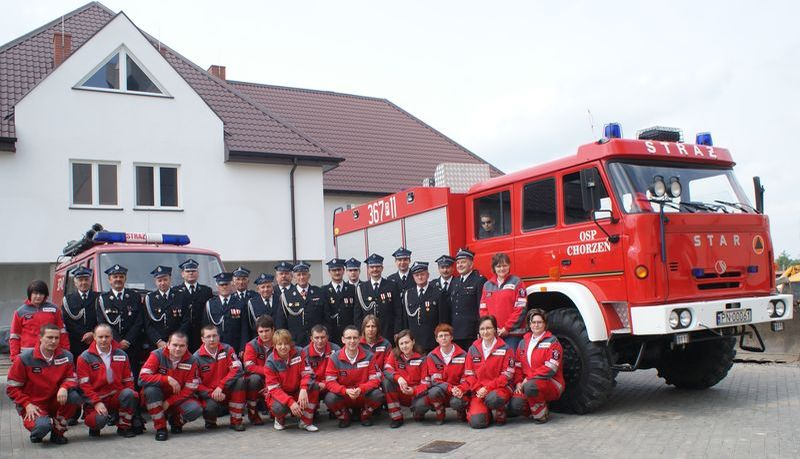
191 290
225 302
338 289
375 286
403 278
83 297
421 292
119 296
445 285
303 293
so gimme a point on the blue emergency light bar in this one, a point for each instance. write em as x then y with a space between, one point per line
141 238
704 138
613 131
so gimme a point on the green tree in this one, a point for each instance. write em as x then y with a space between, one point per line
784 261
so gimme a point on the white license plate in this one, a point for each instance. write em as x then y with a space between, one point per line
738 316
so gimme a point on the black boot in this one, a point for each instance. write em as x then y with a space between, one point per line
162 435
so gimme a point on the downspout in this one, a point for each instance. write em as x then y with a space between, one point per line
294 226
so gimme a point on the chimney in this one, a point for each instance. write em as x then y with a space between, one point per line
218 71
62 47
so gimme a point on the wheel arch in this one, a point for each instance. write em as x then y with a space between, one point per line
553 295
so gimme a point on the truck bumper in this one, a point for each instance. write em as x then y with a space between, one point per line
654 320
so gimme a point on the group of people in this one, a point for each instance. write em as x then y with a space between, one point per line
181 352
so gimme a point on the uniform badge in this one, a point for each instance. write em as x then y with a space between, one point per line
383 297
369 298
389 294
427 306
556 354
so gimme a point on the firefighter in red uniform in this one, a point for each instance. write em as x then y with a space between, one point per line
404 380
104 377
445 372
30 317
538 376
353 380
317 354
41 382
169 379
372 341
504 296
221 379
489 373
255 357
290 384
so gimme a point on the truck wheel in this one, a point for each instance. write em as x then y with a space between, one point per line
587 369
698 365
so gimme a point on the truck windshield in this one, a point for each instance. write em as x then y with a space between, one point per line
700 189
140 264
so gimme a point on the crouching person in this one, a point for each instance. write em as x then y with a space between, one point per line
169 380
317 354
489 373
255 357
445 376
221 379
42 384
404 372
290 384
104 377
539 376
353 380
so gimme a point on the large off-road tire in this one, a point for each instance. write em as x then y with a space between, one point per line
698 365
587 369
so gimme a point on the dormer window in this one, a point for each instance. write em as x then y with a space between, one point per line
122 72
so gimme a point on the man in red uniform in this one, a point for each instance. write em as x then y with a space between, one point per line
255 357
221 379
317 354
41 382
170 373
30 317
353 380
290 384
104 377
445 371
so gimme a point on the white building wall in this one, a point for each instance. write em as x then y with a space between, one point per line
332 201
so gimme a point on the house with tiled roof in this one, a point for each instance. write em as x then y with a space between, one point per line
101 122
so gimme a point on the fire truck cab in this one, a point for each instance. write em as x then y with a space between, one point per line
645 252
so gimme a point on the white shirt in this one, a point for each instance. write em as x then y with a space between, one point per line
447 356
465 276
487 350
532 346
117 294
424 287
337 286
106 356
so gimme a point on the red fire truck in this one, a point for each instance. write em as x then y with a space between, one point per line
645 252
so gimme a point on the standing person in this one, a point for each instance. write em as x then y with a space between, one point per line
169 380
302 305
41 382
290 384
445 370
80 311
165 313
221 380
539 374
283 278
379 297
404 379
226 312
445 279
353 271
317 354
105 379
255 357
504 296
30 317
465 295
402 260
261 304
489 373
193 296
372 341
353 381
340 298
241 282
423 307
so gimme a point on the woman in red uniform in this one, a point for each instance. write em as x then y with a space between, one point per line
290 384
538 374
444 370
372 341
29 318
504 296
489 373
403 383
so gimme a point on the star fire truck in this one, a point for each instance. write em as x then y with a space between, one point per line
645 252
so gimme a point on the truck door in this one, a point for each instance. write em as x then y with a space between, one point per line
537 245
491 228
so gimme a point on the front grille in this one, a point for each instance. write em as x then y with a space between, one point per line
718 285
673 266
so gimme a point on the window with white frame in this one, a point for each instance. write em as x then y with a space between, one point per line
94 184
122 72
156 186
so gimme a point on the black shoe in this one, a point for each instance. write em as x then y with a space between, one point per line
176 429
395 423
237 427
368 422
58 439
72 422
211 425
94 432
36 439
161 435
126 433
137 430
343 423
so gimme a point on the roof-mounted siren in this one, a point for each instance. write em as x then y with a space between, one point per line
612 131
661 134
704 138
75 247
141 238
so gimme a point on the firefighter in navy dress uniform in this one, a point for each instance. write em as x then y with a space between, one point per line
445 280
302 306
353 267
465 299
241 280
164 311
262 304
402 260
227 313
80 312
379 296
283 282
422 307
193 296
340 298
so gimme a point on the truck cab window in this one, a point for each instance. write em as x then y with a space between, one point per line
573 201
493 215
539 205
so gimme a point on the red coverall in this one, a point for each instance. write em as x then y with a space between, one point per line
32 379
255 357
117 394
341 375
381 347
224 371
284 380
183 407
541 377
319 363
412 369
27 322
442 378
506 303
495 373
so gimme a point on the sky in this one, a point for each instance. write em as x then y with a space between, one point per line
517 82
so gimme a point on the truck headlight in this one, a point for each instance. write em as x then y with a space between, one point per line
686 318
780 308
771 309
674 319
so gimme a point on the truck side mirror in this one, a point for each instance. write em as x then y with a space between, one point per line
589 180
759 193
